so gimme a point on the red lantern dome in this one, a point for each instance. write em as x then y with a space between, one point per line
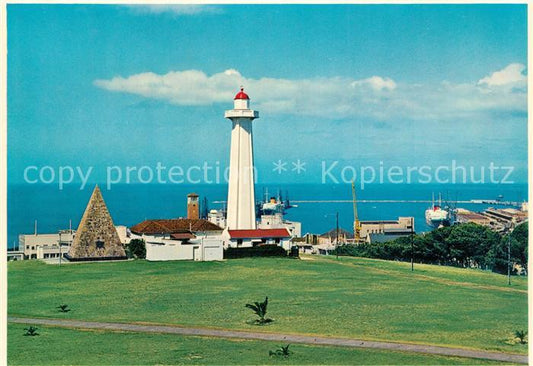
241 95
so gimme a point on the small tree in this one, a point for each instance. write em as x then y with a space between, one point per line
137 249
260 309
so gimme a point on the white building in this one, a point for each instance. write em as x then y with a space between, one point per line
276 221
217 217
180 239
255 237
45 246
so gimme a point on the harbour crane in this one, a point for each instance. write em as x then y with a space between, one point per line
356 222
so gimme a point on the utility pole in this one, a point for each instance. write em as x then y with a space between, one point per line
59 248
412 246
509 256
337 240
356 223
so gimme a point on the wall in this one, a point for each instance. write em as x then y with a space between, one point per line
201 249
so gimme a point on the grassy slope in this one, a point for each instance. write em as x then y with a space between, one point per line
113 348
352 297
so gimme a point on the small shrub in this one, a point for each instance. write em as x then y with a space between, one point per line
31 331
521 335
281 351
63 308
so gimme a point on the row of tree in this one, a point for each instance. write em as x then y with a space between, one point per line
464 245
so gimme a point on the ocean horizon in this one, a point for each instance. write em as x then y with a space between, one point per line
132 203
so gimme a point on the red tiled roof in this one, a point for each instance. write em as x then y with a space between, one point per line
183 236
169 226
259 233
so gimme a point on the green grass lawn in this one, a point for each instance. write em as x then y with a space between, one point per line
57 346
352 297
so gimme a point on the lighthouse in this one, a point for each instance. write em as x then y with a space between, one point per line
241 196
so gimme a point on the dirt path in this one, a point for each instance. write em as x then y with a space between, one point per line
288 338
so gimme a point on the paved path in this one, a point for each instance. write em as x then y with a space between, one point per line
279 337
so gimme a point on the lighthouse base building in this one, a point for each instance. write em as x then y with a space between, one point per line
256 237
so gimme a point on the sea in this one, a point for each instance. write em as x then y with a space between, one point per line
129 204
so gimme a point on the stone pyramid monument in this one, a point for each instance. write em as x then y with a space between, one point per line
96 237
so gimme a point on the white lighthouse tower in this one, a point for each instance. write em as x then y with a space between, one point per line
241 196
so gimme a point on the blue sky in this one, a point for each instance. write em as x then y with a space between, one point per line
408 85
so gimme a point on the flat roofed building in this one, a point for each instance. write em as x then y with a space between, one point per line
32 245
380 226
476 218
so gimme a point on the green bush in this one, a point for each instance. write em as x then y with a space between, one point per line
267 250
31 331
136 249
63 308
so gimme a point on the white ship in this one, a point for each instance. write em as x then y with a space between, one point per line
273 205
436 216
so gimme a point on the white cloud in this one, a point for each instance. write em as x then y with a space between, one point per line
190 87
512 74
173 9
376 82
375 97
